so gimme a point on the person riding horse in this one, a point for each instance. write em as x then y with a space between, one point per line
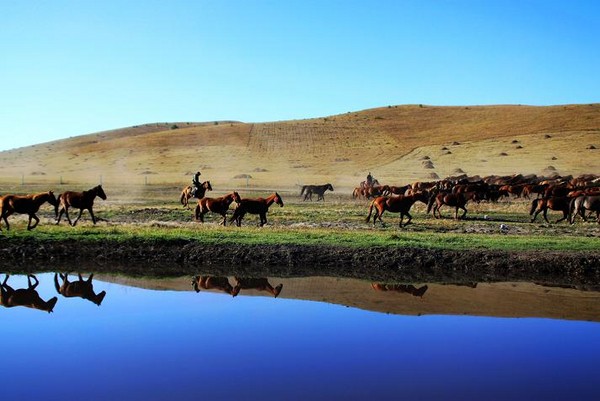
196 183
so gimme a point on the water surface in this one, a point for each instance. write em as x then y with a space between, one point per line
176 344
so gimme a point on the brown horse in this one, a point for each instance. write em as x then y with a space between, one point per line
581 204
456 200
27 204
80 288
558 203
28 297
186 193
259 284
258 206
214 283
79 200
396 204
216 205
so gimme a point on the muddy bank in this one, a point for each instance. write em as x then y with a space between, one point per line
168 258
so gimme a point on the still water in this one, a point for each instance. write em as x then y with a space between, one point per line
169 342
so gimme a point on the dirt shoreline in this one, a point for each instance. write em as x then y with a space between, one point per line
392 264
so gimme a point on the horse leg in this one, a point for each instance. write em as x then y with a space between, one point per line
546 215
224 218
29 226
464 213
263 219
5 218
92 214
407 221
565 215
78 217
67 216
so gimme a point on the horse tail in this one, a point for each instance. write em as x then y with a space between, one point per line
302 190
56 284
181 199
58 202
571 210
534 206
370 211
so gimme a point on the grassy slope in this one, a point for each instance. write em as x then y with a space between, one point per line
391 142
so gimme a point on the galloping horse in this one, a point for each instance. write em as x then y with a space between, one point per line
258 206
28 204
28 297
216 205
186 193
456 200
396 204
80 288
581 204
403 288
79 200
317 189
559 203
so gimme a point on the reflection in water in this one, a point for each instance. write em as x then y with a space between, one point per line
405 288
80 288
157 339
28 297
221 283
213 283
259 284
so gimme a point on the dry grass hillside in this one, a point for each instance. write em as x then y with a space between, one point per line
398 144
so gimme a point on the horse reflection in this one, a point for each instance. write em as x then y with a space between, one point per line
214 283
80 288
259 284
28 297
403 288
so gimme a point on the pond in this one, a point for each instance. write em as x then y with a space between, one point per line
319 339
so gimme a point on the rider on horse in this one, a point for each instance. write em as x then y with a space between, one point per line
196 183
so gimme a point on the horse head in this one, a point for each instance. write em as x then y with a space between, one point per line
330 187
236 198
100 192
278 200
206 185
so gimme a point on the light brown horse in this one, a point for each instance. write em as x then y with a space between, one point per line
458 201
396 204
28 297
25 204
581 204
214 283
80 288
216 205
403 288
186 193
259 284
79 200
541 205
258 206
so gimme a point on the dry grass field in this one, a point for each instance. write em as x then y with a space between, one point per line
398 144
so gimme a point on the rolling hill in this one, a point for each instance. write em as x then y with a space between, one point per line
398 144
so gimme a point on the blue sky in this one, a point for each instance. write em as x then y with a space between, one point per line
75 67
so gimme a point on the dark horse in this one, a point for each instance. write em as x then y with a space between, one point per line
216 205
28 297
25 204
396 204
79 200
559 203
315 189
186 193
258 206
80 288
458 201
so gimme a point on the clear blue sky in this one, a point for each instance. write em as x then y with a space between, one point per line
69 68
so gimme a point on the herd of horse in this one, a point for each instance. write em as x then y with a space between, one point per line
573 198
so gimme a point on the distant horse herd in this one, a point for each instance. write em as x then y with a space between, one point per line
573 197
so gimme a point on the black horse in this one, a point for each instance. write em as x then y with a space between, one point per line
309 190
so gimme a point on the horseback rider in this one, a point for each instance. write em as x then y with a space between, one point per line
196 183
369 180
